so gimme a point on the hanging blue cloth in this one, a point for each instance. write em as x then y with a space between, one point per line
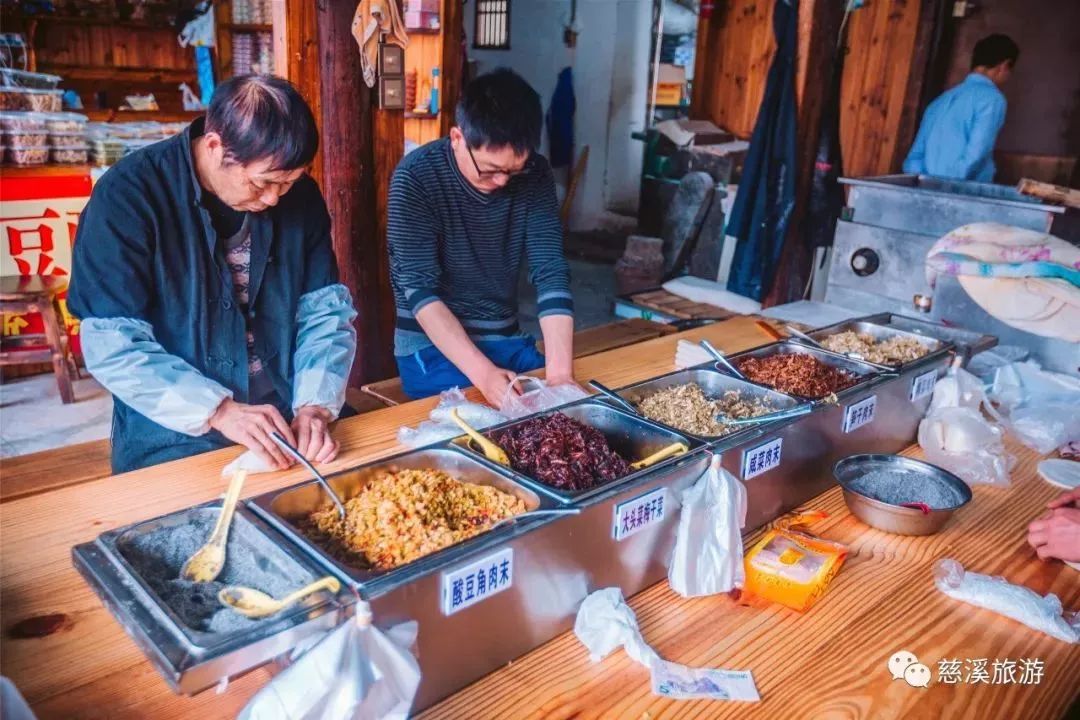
766 195
560 120
204 63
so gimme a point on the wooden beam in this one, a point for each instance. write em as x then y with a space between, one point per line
915 96
452 70
302 65
819 26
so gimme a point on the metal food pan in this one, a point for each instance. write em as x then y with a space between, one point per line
865 371
631 436
714 383
880 333
191 660
968 342
286 507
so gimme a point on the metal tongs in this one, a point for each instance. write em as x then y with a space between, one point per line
613 396
535 513
719 356
311 469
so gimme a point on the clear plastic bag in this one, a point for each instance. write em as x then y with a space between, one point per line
1040 408
538 396
440 427
708 555
354 671
957 436
1040 612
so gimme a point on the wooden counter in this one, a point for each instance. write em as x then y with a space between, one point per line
832 658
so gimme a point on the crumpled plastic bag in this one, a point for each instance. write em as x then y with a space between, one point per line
708 555
440 427
1042 613
354 671
540 397
605 623
957 436
1040 408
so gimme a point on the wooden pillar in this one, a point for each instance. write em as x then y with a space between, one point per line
452 68
354 183
819 26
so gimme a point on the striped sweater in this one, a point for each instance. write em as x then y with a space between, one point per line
448 241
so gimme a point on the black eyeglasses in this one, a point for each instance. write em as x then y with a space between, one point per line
494 173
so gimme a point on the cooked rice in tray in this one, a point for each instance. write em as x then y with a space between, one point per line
401 516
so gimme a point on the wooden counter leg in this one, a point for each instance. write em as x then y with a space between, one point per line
51 321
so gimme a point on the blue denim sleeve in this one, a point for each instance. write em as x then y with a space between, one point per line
122 354
325 348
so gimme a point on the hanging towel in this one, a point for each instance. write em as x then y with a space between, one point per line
560 120
372 19
766 196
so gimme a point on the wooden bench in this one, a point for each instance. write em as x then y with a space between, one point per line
586 342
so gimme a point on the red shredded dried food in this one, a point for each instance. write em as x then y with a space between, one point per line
797 374
561 452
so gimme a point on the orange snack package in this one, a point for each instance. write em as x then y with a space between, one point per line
792 567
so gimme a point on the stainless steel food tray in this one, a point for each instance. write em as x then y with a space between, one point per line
631 436
966 342
188 659
880 332
714 383
284 508
866 372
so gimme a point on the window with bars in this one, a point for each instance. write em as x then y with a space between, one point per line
492 25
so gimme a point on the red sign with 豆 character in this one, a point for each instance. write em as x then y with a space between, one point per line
39 211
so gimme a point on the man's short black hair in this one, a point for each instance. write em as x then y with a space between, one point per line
993 50
498 109
263 117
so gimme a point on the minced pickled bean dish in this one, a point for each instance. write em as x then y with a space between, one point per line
895 350
797 374
688 408
561 452
404 515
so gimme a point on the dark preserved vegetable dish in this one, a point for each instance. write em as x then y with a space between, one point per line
561 452
797 374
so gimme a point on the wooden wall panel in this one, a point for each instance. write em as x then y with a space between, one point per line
881 42
732 64
424 52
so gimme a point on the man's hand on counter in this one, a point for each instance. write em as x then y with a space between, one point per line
494 383
1057 533
250 426
312 427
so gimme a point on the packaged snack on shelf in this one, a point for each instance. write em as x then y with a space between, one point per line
790 566
29 99
26 155
66 122
14 122
23 138
69 155
67 140
10 77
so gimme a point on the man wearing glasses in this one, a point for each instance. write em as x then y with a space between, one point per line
207 287
464 212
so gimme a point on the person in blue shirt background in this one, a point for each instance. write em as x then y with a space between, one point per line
956 138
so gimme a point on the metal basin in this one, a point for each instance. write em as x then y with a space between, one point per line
967 342
286 508
714 383
881 333
865 371
891 518
631 436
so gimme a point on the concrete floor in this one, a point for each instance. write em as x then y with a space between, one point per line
32 418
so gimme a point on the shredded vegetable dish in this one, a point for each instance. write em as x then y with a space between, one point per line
401 516
895 350
688 408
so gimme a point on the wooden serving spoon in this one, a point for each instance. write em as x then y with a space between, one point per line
492 451
206 564
677 448
255 604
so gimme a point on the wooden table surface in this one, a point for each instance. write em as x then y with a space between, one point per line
77 662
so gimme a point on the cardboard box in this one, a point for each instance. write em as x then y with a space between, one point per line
670 84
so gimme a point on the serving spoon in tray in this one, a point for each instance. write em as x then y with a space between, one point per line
206 564
299 456
613 396
719 356
256 604
492 452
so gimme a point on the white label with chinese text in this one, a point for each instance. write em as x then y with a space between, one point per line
477 581
923 385
760 459
635 515
859 414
